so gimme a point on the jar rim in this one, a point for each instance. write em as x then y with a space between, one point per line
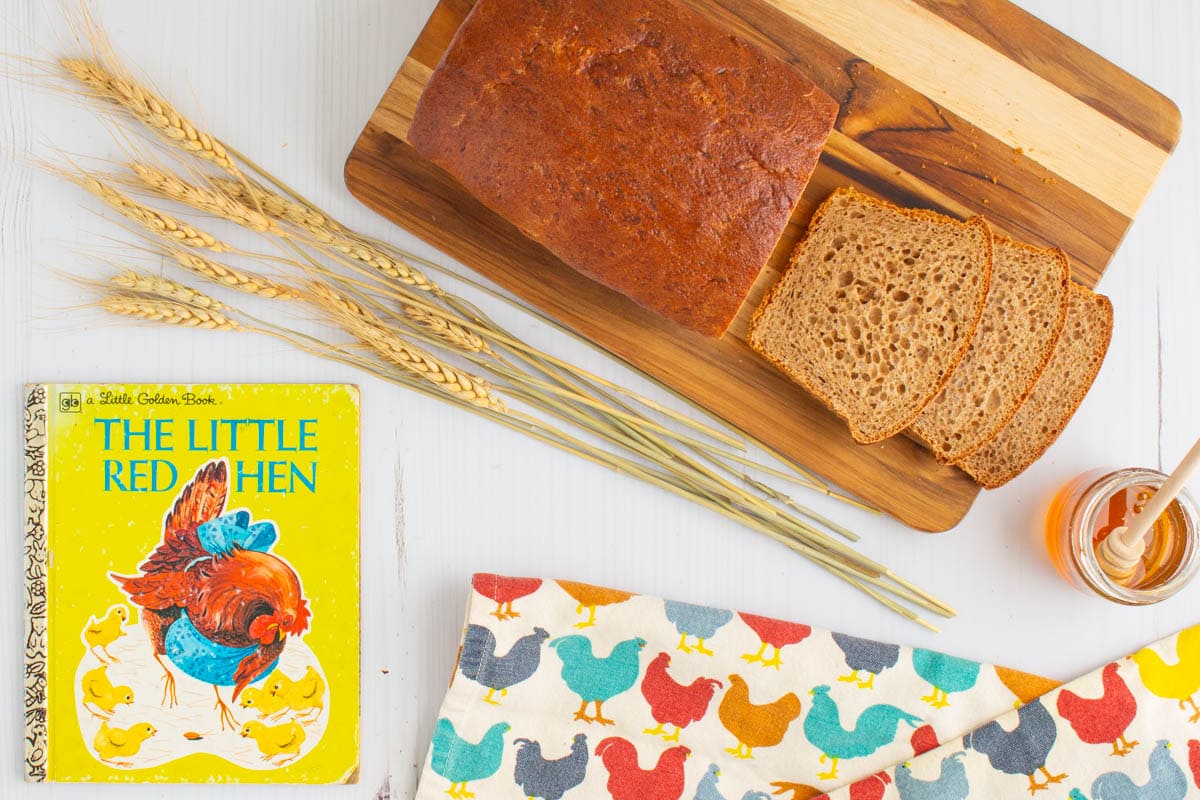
1083 525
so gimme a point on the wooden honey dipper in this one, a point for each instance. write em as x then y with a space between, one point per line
1122 550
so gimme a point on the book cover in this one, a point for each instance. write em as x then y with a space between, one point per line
192 583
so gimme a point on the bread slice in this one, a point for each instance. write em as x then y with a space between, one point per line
1021 323
878 306
1055 397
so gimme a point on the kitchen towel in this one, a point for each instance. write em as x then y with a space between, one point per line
565 689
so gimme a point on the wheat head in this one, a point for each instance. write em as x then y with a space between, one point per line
275 205
168 313
157 222
153 111
371 331
164 288
247 282
446 330
172 187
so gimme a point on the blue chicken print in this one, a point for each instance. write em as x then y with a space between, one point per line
480 662
951 783
1023 750
1167 780
460 761
707 790
550 779
946 674
865 655
597 680
876 727
700 622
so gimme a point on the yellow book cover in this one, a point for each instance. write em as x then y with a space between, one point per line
192 583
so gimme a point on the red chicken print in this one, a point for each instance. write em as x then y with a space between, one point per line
628 781
210 592
1104 719
504 591
924 739
776 633
673 703
1194 760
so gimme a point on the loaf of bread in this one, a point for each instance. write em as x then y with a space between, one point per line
877 308
1055 397
635 139
1021 323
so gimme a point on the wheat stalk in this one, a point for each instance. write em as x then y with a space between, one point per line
157 222
371 331
168 312
149 108
217 272
171 186
165 288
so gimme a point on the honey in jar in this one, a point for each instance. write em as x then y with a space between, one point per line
1091 507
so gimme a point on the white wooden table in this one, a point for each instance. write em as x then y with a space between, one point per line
445 493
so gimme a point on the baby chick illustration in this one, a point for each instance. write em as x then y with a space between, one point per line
264 701
111 743
280 742
101 633
100 697
305 696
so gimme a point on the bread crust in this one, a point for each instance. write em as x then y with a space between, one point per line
977 311
1060 322
638 141
995 481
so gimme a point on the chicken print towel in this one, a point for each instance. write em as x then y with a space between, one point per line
567 690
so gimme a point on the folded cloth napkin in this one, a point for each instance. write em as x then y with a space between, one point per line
565 689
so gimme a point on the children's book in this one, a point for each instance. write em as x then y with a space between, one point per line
192 583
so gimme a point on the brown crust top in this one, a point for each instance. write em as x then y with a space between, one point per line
639 142
916 213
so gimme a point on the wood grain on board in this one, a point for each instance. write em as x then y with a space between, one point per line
966 107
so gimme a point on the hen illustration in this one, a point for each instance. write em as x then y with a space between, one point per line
876 727
924 739
215 602
1025 686
460 761
951 783
550 779
775 633
597 680
1023 750
865 655
1104 719
504 591
481 663
755 725
1194 760
1167 781
590 597
673 703
1178 681
700 622
707 790
946 674
628 781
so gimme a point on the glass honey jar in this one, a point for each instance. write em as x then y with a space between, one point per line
1094 504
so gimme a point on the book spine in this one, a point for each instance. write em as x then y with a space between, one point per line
36 654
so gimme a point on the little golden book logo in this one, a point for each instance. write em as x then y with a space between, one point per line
200 642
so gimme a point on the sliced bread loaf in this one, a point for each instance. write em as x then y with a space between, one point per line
878 306
1021 323
1055 397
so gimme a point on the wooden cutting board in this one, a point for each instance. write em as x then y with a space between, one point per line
964 106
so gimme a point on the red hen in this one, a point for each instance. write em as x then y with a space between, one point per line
503 591
628 781
672 703
776 633
1194 760
1104 719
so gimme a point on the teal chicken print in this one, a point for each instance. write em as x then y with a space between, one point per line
876 727
698 622
946 674
597 680
460 762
